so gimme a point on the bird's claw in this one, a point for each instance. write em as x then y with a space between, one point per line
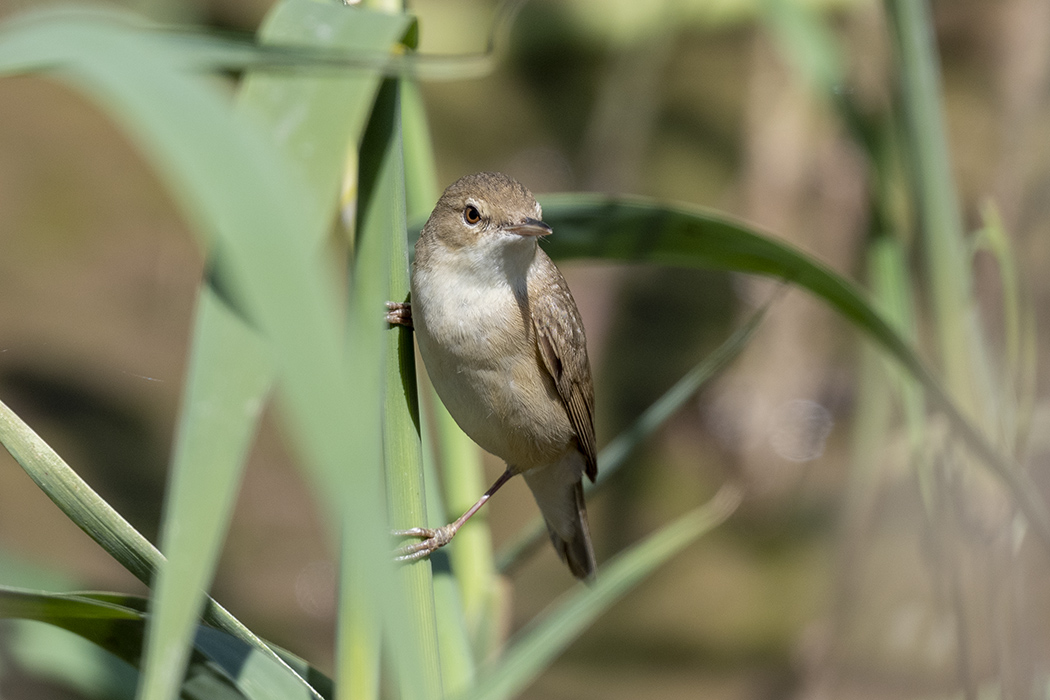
432 540
399 313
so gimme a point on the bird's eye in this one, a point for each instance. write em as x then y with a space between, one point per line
471 214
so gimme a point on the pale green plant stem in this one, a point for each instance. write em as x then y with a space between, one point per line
948 264
385 219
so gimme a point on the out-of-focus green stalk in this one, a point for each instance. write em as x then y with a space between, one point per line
891 286
947 263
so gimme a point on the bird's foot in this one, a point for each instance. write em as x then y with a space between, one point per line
432 540
399 313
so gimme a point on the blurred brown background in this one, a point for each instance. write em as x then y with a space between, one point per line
684 101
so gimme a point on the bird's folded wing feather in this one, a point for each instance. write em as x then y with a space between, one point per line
563 347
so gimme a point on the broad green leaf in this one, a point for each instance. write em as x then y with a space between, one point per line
456 655
245 201
640 230
543 640
615 454
315 119
315 114
230 375
63 659
421 191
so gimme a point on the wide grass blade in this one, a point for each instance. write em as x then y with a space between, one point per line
640 230
230 375
318 116
246 203
315 119
544 640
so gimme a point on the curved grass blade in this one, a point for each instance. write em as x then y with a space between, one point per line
117 623
615 454
100 522
542 641
641 230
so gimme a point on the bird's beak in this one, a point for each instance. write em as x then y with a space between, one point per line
529 227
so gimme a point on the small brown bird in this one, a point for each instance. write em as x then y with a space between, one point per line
503 343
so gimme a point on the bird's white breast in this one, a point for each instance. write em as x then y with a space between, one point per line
480 353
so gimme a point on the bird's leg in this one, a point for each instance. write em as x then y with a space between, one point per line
434 538
399 313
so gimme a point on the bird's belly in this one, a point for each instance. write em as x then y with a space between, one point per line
482 360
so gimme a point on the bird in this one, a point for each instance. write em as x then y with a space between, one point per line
504 346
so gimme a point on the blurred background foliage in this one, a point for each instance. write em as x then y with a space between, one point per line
830 581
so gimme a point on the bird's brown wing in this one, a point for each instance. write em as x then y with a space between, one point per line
563 347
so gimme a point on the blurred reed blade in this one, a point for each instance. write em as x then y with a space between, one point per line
104 525
641 230
806 41
246 203
544 639
804 37
117 623
615 454
314 119
229 377
209 51
318 117
893 293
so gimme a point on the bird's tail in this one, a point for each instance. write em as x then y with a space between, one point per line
566 515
